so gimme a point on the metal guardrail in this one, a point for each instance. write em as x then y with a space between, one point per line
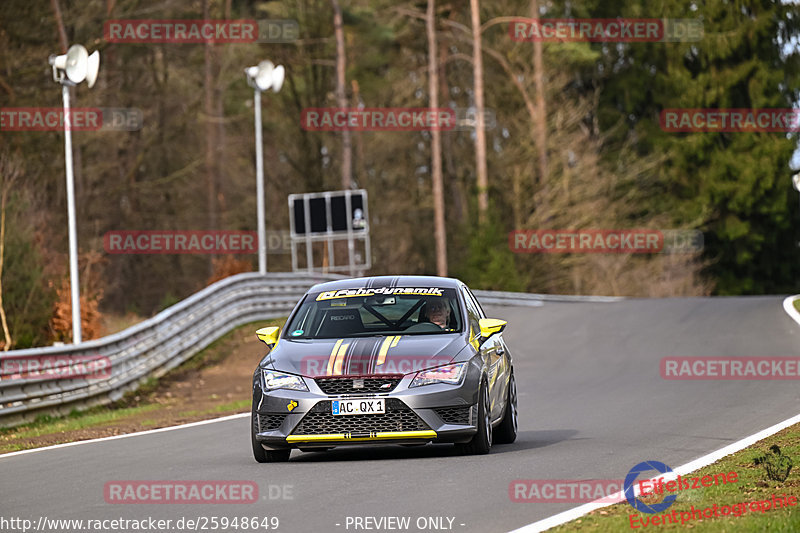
535 300
154 346
148 349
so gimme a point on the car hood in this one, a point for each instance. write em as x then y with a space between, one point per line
398 354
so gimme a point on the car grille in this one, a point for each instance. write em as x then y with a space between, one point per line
398 417
269 422
454 415
346 385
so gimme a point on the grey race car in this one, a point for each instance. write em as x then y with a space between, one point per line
405 360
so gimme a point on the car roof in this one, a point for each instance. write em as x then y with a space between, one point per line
387 281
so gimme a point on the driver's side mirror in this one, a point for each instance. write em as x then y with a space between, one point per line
269 336
491 326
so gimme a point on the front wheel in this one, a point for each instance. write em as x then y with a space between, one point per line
507 430
481 443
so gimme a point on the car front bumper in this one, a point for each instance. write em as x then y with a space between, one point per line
430 413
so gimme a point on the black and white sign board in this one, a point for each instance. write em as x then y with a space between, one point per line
330 217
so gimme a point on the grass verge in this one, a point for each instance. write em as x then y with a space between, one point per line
753 485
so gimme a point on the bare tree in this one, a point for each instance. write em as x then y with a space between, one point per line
211 131
436 144
9 173
540 119
341 97
480 130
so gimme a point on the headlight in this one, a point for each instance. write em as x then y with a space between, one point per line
279 380
450 374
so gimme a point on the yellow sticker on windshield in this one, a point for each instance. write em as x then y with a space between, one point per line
388 291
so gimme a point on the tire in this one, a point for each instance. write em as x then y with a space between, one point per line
259 453
481 443
506 431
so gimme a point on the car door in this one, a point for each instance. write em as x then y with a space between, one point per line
497 359
487 349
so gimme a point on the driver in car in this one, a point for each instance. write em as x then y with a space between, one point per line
438 312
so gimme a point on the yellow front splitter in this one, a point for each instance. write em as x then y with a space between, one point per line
348 437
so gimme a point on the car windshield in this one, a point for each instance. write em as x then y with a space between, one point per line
361 312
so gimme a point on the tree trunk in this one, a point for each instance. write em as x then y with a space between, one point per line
455 186
62 32
341 97
219 113
359 142
3 319
540 124
480 129
436 145
211 151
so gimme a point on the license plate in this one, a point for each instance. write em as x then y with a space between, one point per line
358 407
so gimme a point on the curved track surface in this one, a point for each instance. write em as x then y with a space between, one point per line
592 404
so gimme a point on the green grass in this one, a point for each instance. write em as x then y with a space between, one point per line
233 406
75 420
752 485
796 304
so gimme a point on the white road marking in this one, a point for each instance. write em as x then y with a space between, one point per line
125 436
577 512
788 306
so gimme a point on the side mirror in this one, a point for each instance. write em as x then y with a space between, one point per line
491 326
269 336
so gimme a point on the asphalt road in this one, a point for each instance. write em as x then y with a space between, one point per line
592 404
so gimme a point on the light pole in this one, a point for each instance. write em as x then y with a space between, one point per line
260 78
69 70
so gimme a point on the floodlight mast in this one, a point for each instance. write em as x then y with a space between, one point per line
261 78
69 70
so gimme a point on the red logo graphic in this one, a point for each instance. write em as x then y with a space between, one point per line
377 119
166 492
730 368
55 367
616 30
566 490
633 241
50 119
181 242
730 120
367 365
180 31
